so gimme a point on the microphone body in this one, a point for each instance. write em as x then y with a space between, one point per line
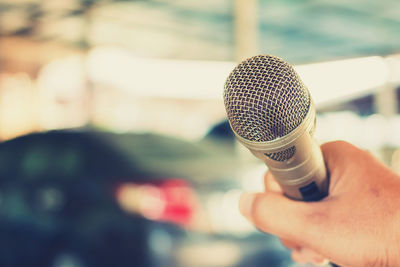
303 176
271 113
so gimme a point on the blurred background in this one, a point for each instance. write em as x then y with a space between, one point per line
115 149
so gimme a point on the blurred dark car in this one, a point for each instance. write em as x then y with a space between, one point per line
60 192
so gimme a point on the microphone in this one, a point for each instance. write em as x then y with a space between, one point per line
272 114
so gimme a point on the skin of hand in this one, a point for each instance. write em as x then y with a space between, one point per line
357 224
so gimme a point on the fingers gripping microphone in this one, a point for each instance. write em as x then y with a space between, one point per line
272 114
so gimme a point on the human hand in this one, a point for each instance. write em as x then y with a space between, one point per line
358 224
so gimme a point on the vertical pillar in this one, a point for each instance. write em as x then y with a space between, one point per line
246 29
385 100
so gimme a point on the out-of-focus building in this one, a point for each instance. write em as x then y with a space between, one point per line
159 66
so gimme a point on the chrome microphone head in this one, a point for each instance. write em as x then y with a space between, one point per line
272 114
265 99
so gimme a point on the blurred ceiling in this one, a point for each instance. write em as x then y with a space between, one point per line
299 31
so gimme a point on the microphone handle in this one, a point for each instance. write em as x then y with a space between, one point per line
295 160
303 176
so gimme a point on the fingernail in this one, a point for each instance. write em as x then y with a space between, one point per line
320 261
323 262
246 204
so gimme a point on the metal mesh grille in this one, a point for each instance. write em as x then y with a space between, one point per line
265 99
282 155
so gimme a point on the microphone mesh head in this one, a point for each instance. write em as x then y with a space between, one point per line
265 98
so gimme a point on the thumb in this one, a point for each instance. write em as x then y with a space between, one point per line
274 213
